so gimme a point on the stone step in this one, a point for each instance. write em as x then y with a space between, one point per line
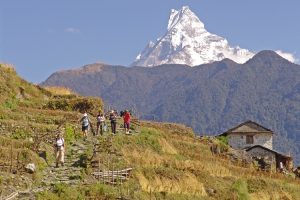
69 182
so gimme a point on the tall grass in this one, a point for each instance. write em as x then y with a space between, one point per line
59 90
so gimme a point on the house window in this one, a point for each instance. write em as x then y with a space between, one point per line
249 139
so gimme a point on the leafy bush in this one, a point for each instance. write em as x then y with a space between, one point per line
223 139
21 134
70 134
75 103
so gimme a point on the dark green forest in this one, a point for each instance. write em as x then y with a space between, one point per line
210 98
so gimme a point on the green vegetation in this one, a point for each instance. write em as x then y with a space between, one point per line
75 103
71 133
168 161
95 191
240 186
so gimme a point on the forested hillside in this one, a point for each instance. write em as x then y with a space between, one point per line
210 98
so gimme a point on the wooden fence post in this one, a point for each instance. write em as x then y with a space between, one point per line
113 179
99 170
11 152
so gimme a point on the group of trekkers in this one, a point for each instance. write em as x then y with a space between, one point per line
101 128
101 122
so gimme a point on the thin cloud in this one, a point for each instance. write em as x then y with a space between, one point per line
72 30
289 56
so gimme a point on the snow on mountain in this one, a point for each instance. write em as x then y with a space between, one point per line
188 42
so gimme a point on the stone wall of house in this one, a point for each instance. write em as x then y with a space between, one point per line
258 151
268 157
238 141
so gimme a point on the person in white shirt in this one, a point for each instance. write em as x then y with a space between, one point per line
59 149
100 123
85 122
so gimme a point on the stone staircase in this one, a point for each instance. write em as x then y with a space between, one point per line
71 172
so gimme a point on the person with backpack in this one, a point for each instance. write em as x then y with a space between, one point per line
100 123
126 119
113 122
59 146
85 122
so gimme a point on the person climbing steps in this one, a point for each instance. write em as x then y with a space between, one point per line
59 149
100 123
113 121
85 122
126 119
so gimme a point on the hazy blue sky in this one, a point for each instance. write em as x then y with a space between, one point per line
41 37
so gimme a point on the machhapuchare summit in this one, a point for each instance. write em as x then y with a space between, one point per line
188 42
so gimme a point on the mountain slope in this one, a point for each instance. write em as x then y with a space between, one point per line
210 98
168 161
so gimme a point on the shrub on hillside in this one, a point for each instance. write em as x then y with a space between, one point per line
75 103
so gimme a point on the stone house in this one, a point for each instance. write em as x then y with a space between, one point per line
248 134
257 141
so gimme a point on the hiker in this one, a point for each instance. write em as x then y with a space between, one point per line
122 113
85 122
59 149
100 123
113 121
126 119
281 167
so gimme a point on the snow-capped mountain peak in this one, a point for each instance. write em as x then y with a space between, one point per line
184 16
188 42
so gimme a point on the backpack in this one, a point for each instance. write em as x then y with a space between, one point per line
105 128
59 147
85 121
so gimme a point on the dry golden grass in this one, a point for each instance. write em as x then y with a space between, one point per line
280 195
181 164
167 147
188 184
7 66
15 144
59 90
146 157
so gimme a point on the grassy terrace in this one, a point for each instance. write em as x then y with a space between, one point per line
169 163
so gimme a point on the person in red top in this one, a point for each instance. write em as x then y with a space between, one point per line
126 118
